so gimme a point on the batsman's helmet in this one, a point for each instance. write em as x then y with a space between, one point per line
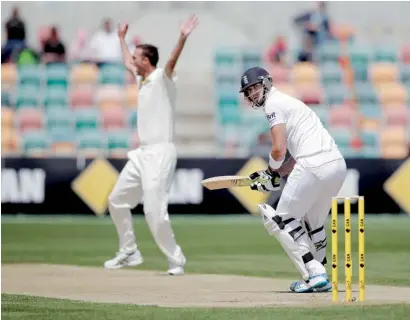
255 85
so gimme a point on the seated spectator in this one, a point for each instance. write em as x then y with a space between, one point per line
54 50
318 25
16 36
79 50
306 54
277 51
105 46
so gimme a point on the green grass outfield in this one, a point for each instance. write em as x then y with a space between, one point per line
224 245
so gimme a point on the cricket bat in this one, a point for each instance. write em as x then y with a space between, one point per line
225 182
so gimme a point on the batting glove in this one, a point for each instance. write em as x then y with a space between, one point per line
265 181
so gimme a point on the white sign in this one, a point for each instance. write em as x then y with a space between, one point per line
23 186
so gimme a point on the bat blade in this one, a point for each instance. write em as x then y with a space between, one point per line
225 182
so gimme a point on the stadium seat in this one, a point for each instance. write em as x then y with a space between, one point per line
229 110
391 135
8 75
342 116
118 142
359 54
10 142
82 96
32 75
331 73
7 117
322 111
370 138
399 116
286 88
84 74
226 58
63 149
405 74
91 143
36 143
342 137
27 96
405 53
109 96
132 119
329 52
114 118
310 94
360 73
395 151
30 119
385 53
251 58
392 93
279 73
305 72
112 74
370 113
57 75
131 95
383 72
60 120
5 98
55 96
87 120
336 94
365 93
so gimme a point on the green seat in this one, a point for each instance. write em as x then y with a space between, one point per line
55 96
57 75
371 111
331 73
31 75
405 74
251 58
227 58
28 96
341 136
349 152
132 119
322 111
35 141
88 119
359 54
336 94
385 53
90 139
370 138
329 52
229 110
361 73
118 140
365 93
5 98
370 152
60 120
112 74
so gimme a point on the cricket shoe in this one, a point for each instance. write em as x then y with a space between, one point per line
175 270
318 283
124 259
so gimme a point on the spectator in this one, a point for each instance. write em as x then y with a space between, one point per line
79 48
54 49
277 51
306 54
105 45
16 36
318 25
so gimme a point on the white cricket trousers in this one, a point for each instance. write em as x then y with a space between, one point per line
148 173
307 197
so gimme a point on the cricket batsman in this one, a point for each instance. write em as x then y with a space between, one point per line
150 168
316 172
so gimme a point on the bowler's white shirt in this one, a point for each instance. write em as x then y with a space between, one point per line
307 140
156 103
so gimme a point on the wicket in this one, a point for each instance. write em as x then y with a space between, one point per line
348 248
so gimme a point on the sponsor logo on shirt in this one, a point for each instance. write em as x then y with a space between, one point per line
271 116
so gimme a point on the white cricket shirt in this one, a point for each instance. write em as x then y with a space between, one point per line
155 121
307 140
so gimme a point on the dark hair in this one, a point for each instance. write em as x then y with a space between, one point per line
151 52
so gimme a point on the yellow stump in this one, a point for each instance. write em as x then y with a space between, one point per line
335 280
361 250
348 250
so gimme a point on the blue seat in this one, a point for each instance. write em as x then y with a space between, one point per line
57 74
371 111
112 74
27 96
329 52
55 96
31 74
336 94
35 141
365 93
385 53
370 138
331 73
91 139
60 120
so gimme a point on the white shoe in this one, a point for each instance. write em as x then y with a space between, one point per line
124 259
175 270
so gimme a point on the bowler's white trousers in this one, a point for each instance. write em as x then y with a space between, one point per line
307 197
148 173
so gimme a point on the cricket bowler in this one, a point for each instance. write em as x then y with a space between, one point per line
150 169
316 172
